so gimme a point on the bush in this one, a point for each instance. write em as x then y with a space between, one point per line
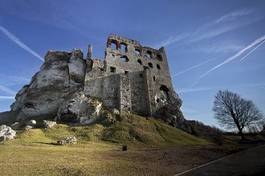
199 129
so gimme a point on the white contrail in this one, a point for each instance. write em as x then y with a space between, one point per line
7 90
188 90
257 41
16 40
214 28
256 47
7 97
193 67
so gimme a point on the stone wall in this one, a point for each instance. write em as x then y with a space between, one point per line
106 88
131 77
139 93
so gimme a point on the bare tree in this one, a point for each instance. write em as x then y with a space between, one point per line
232 111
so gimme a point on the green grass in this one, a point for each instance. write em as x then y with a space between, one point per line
98 151
132 129
136 129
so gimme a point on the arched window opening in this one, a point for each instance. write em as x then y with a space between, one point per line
148 54
159 57
139 61
126 72
123 47
158 66
137 52
154 78
113 45
112 69
124 59
150 65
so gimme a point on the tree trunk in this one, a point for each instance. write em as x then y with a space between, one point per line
241 135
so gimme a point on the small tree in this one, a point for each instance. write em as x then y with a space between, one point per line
232 111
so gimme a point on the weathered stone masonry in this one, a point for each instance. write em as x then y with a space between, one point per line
131 77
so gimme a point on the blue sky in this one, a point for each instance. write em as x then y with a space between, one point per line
211 45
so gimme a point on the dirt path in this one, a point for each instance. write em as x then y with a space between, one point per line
249 162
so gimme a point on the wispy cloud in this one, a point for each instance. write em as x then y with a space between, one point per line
203 89
172 39
7 97
7 90
16 40
193 67
234 15
190 90
217 27
258 42
220 47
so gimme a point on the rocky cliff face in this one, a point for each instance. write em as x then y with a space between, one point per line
61 75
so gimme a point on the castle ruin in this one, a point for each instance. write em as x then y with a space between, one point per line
131 77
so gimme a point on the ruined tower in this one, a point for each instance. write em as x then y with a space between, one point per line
131 77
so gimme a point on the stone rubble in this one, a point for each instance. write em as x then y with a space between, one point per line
6 133
67 140
49 124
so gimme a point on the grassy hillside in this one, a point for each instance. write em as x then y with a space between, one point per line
154 148
132 129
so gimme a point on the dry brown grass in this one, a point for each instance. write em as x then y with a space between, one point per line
154 148
100 159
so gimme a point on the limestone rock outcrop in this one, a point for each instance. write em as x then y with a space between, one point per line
6 133
80 108
170 109
48 123
61 74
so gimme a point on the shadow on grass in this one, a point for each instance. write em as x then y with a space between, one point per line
47 143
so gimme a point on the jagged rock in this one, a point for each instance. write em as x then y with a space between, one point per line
32 123
48 124
8 117
28 127
6 133
116 111
79 108
20 97
77 68
67 140
170 110
16 126
61 74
